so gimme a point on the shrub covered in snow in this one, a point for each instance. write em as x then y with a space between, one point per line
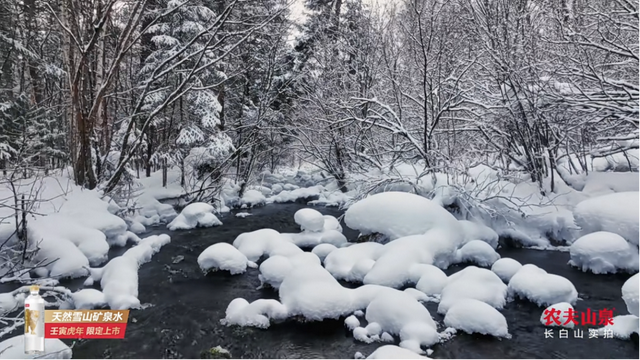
604 252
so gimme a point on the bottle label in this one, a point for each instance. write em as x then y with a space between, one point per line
34 321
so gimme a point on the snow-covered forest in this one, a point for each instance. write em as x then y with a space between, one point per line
443 132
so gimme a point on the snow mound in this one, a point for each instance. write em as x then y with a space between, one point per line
194 215
630 294
331 223
473 283
311 239
13 348
252 198
398 313
603 252
478 252
340 261
622 328
398 214
309 219
291 194
473 316
351 322
243 214
432 280
395 260
476 231
394 352
274 269
323 250
257 314
223 256
311 292
540 287
617 213
119 278
256 244
558 315
87 299
505 268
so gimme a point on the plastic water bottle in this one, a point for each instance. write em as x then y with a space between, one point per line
34 322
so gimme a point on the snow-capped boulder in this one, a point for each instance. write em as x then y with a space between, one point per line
194 215
476 231
604 252
474 316
630 294
310 220
473 283
223 256
478 252
617 213
540 287
398 214
505 268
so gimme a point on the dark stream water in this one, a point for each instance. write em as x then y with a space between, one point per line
187 307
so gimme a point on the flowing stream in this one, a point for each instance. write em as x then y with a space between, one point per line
185 308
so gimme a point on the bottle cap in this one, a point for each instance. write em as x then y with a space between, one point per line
34 288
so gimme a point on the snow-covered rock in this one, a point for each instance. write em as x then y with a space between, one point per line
478 252
398 313
432 280
476 231
473 283
323 250
256 244
630 294
505 268
340 261
119 278
474 316
398 214
257 314
394 352
13 348
195 215
87 299
223 256
617 213
540 287
310 220
559 315
603 252
252 198
351 322
622 328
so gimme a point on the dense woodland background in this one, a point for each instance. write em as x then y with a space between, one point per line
118 89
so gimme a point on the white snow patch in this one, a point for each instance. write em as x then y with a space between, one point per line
87 299
475 231
243 214
432 280
310 220
622 328
351 322
340 261
323 250
252 198
394 352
